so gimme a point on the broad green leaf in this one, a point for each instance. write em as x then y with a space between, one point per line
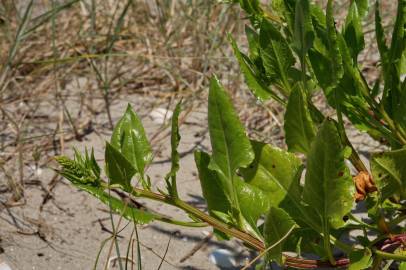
253 201
322 67
353 33
175 138
304 32
285 9
253 43
403 64
389 173
380 35
213 189
394 97
93 163
333 47
118 169
398 36
253 9
139 216
348 61
129 139
328 185
253 80
231 146
318 17
376 89
278 223
275 171
276 55
402 266
360 259
250 6
400 113
299 127
363 6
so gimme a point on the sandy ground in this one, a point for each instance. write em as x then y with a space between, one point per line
67 232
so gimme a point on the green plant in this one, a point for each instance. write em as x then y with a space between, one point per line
295 52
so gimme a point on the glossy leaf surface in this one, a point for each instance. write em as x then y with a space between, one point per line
389 172
299 127
175 139
254 82
231 146
276 55
118 169
353 33
274 171
328 186
130 139
212 186
277 224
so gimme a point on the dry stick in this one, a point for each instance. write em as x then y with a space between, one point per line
166 252
132 252
156 254
269 248
18 193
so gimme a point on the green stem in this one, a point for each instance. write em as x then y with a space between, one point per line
326 242
354 218
391 125
378 108
249 239
354 157
180 222
390 256
377 263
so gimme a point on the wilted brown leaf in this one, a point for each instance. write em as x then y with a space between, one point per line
364 185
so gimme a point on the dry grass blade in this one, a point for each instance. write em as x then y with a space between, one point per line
150 54
166 252
45 17
268 248
13 49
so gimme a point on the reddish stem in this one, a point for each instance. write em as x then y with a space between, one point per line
393 241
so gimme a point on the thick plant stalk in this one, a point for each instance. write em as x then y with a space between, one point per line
215 223
252 241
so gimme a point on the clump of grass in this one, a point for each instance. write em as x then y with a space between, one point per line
148 48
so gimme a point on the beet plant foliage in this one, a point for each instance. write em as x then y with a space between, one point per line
259 193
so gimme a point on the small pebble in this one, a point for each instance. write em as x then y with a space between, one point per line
4 266
223 258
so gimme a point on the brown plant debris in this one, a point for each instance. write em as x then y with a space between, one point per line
364 185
